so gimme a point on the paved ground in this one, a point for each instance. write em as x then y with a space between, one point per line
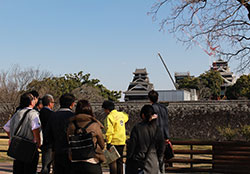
6 168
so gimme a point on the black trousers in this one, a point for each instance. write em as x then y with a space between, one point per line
46 160
20 167
116 167
62 164
85 168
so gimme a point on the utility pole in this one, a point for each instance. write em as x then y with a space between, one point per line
167 70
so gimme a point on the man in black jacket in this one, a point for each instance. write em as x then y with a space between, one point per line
56 132
161 111
162 119
45 113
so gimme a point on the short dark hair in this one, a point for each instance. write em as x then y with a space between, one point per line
84 107
34 93
26 99
47 99
148 111
66 100
153 96
109 105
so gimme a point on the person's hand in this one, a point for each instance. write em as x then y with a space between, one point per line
108 146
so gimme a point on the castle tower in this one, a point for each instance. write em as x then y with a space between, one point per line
227 76
223 68
139 87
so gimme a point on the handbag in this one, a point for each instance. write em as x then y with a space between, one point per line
81 145
169 151
20 148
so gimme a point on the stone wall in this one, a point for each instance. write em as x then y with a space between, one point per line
192 119
189 119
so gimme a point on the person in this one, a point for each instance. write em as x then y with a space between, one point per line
83 116
115 133
161 111
45 114
29 129
146 144
39 105
56 133
35 95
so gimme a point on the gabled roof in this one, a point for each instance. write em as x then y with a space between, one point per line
140 71
138 86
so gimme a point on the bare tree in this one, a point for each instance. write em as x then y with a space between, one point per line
13 83
221 25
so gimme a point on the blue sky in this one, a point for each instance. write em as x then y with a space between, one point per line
108 39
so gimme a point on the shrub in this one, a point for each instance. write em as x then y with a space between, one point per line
228 132
245 132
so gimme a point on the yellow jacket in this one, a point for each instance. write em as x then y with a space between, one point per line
115 127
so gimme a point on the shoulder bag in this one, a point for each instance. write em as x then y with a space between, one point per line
20 148
169 151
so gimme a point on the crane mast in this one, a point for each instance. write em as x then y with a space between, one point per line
167 71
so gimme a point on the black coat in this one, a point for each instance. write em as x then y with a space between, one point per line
56 130
44 117
162 120
142 135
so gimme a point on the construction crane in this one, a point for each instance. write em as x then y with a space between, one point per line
175 85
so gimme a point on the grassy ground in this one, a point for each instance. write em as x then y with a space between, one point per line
4 146
195 147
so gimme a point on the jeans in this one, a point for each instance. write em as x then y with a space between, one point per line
116 167
46 160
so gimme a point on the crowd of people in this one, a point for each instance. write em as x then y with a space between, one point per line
50 130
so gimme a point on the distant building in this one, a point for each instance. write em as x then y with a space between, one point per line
181 75
139 87
228 78
176 95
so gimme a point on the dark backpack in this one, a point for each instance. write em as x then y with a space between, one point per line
81 145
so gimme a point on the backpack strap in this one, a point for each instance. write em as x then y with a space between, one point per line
89 123
84 128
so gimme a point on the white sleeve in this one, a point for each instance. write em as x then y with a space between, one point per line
35 123
6 127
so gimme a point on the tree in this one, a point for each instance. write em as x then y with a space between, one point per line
13 83
208 84
212 80
222 25
241 89
189 83
69 82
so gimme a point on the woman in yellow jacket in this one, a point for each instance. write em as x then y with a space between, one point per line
115 133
